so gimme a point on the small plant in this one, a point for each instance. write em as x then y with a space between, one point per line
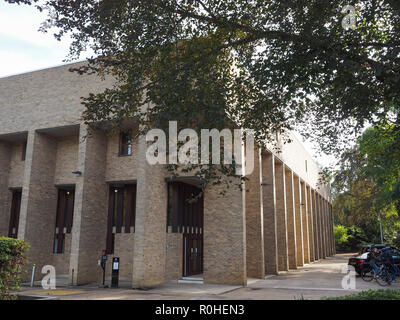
381 294
12 258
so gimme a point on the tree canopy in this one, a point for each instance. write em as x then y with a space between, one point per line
367 184
326 68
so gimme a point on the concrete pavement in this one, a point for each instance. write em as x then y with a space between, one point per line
314 281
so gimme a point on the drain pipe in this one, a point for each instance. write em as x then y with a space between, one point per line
33 274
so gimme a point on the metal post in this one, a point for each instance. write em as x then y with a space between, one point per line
33 275
72 278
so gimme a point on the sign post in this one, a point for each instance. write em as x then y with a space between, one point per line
115 273
103 265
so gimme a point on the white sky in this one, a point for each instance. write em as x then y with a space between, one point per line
23 48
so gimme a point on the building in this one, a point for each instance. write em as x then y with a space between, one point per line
71 195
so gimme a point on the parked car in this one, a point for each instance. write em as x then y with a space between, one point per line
357 260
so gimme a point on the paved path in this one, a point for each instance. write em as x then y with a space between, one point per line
313 281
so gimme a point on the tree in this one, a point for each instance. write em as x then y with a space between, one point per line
366 185
12 259
267 65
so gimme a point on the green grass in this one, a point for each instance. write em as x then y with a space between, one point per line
381 294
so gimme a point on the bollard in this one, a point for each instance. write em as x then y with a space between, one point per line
33 274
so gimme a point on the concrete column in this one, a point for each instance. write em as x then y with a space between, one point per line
291 219
150 236
299 221
254 223
225 235
319 226
333 233
327 233
269 209
281 217
89 227
304 208
315 223
329 225
322 228
310 224
5 156
39 199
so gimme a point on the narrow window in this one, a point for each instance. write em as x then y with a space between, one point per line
306 166
183 209
23 156
125 143
121 213
64 217
14 216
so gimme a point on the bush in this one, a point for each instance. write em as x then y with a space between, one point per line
349 239
12 258
381 294
341 235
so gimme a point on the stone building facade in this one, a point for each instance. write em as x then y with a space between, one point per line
64 189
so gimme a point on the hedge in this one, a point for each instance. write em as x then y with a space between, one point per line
380 294
12 258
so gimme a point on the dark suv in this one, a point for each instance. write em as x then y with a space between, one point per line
357 260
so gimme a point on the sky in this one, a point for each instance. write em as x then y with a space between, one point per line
23 48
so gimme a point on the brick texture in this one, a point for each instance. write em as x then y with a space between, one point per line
269 209
281 217
299 221
5 151
254 223
291 220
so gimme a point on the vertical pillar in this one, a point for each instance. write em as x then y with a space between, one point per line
89 227
5 156
322 227
269 210
281 217
328 253
304 209
333 233
291 219
225 236
299 221
329 227
310 224
39 199
315 224
150 235
254 223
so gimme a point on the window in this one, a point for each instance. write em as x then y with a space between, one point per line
185 208
306 165
23 151
15 211
125 143
65 212
121 212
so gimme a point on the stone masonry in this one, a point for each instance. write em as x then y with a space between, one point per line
281 219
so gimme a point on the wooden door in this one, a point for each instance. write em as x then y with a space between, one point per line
192 233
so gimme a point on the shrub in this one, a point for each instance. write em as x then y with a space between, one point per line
349 239
381 294
341 235
12 258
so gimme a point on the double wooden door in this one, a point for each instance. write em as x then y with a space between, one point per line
192 231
